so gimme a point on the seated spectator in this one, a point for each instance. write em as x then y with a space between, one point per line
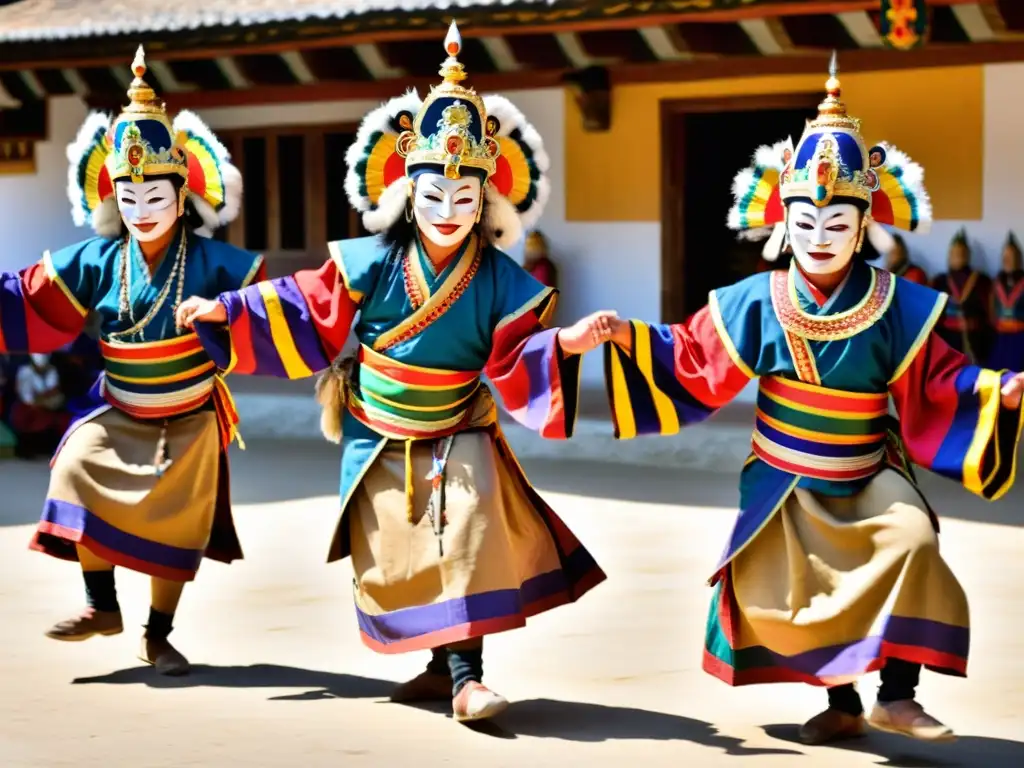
38 416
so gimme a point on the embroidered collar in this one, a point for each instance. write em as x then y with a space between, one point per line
832 327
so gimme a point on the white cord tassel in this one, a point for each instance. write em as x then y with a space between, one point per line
773 247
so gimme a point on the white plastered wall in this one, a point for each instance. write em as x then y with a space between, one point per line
602 265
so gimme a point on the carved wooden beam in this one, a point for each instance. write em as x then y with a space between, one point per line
592 90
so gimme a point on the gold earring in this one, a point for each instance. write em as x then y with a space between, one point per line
408 211
181 201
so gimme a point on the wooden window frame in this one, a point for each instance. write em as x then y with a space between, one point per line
315 185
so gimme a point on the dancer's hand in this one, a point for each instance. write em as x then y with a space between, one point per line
587 334
1012 391
622 333
195 309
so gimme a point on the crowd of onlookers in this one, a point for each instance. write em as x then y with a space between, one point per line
38 395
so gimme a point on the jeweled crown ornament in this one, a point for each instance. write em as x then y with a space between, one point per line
451 130
831 160
143 141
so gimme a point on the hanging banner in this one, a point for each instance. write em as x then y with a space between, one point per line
904 23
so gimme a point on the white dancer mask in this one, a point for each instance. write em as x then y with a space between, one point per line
149 209
824 240
446 209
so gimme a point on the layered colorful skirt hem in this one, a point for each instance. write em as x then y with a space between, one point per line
140 495
500 556
832 587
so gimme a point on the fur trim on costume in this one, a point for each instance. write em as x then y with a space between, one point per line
390 206
106 220
501 224
211 222
881 239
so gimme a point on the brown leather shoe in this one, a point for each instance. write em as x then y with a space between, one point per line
426 686
830 726
90 622
164 656
477 702
908 718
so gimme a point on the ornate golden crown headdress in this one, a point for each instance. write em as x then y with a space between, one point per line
451 130
831 159
143 141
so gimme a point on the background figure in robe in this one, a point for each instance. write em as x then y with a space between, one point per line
898 262
1008 310
833 567
966 324
448 540
140 478
38 415
537 261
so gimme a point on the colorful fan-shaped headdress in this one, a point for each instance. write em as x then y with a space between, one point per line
453 131
831 164
142 143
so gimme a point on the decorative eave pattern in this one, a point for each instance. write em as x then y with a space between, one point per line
508 44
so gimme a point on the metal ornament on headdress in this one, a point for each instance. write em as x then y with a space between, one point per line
143 141
451 129
831 159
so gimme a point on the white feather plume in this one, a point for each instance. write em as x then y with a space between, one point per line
231 177
377 121
76 151
911 175
510 119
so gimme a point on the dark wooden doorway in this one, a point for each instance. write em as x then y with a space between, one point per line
294 201
705 142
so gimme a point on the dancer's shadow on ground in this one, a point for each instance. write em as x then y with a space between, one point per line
539 718
901 752
589 723
316 684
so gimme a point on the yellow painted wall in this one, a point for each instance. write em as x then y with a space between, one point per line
934 115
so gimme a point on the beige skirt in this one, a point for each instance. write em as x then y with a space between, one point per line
499 555
832 586
137 494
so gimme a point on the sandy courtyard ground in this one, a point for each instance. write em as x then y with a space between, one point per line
282 679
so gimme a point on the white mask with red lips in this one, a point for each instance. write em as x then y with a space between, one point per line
446 209
149 209
824 240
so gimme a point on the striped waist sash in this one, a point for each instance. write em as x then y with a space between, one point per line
158 379
155 380
408 402
818 432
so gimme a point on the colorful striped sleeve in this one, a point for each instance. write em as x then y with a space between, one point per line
671 376
289 327
952 420
38 313
537 382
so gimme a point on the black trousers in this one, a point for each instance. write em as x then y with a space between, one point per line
899 681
